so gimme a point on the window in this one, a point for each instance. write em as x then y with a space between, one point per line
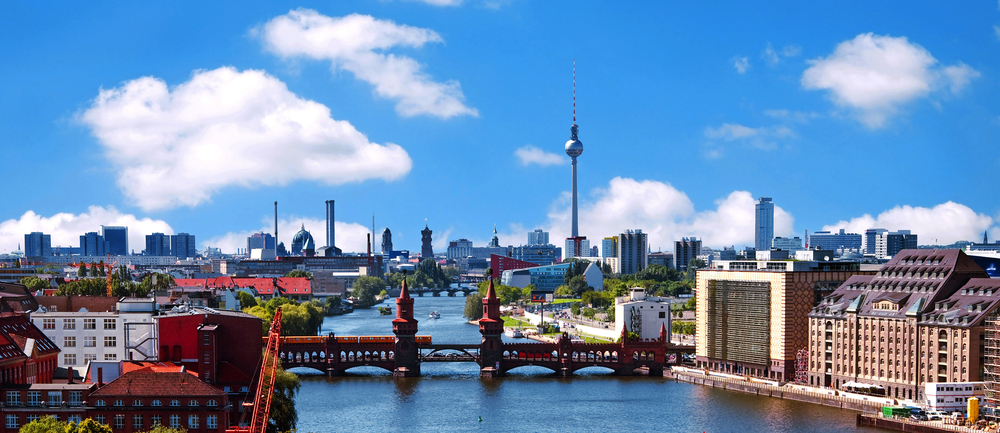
110 356
89 323
87 357
34 398
119 421
69 341
101 419
136 403
75 398
13 398
193 403
192 421
663 315
156 403
48 323
211 403
32 418
155 420
175 403
212 421
99 403
175 421
119 403
69 323
90 341
74 418
136 422
109 324
55 398
110 341
69 359
12 421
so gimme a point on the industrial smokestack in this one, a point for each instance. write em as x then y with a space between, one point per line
275 228
329 224
369 244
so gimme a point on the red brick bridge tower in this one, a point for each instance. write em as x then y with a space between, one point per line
491 326
405 327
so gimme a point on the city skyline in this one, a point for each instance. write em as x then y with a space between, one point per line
440 107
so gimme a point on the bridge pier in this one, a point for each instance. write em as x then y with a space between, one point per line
437 294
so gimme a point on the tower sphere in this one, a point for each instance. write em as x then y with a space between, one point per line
574 148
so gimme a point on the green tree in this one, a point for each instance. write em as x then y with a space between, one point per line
34 283
283 416
578 285
564 290
45 424
299 273
88 426
575 308
94 272
84 287
693 266
82 272
609 314
163 282
365 289
101 270
473 307
246 300
17 263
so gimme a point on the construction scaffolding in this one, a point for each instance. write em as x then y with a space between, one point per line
991 366
802 366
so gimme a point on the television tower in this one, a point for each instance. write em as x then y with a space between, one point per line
574 148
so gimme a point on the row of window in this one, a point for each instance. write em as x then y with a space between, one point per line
157 403
90 341
70 358
109 324
193 421
35 397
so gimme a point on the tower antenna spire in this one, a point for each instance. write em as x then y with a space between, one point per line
574 91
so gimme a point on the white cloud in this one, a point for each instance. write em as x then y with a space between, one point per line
532 155
874 75
761 138
662 211
797 116
947 222
773 57
741 64
791 50
177 147
65 228
349 237
996 30
357 43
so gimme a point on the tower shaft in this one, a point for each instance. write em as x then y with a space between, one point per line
575 229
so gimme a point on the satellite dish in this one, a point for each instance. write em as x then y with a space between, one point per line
826 258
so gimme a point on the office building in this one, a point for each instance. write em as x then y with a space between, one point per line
920 319
577 246
117 239
126 334
787 244
261 241
609 247
330 224
37 244
887 244
93 244
459 249
764 224
752 315
642 314
632 249
870 239
538 237
660 258
835 241
549 278
157 244
182 246
386 241
685 250
537 254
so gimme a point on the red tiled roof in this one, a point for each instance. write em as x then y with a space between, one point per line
263 286
146 382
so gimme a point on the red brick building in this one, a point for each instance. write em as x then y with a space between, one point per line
22 404
26 354
172 397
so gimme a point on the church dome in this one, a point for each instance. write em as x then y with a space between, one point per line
300 240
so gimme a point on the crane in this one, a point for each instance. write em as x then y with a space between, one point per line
265 385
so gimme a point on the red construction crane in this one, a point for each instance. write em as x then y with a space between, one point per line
265 386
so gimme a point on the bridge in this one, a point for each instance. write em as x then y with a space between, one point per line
404 352
452 291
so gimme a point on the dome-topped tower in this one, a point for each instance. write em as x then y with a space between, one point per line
300 240
574 148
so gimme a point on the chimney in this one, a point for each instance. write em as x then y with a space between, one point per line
330 238
275 228
369 244
100 377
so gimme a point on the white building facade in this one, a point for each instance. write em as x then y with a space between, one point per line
951 396
642 314
99 336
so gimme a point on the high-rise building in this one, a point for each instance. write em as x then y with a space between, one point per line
117 238
685 250
835 241
182 246
386 241
37 244
538 237
889 244
577 247
157 244
263 241
870 239
787 244
609 247
329 224
764 226
426 249
538 254
93 244
459 249
495 241
632 251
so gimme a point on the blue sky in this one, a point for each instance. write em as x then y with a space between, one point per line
192 117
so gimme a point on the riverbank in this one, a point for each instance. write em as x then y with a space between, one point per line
802 394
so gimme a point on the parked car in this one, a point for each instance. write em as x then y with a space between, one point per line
918 416
935 415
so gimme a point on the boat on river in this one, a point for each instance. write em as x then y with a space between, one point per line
513 333
435 315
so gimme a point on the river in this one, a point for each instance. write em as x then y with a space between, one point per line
452 397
